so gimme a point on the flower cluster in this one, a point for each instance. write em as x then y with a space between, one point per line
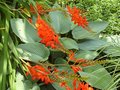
38 72
51 39
77 17
81 85
76 68
38 8
82 62
77 85
46 33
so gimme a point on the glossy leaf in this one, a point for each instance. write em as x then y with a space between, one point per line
97 76
96 27
69 43
88 55
60 22
33 52
92 44
80 33
24 31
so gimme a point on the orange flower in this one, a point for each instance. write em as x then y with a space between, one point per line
76 68
39 8
63 84
76 17
39 73
46 33
77 85
81 85
71 55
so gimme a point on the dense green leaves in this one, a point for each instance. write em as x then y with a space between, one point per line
24 30
60 22
33 51
69 43
97 76
96 27
92 44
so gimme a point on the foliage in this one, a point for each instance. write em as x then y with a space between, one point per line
46 46
107 10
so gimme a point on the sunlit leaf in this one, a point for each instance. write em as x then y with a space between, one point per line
96 27
88 55
24 30
33 52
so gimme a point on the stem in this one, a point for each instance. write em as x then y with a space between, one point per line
5 55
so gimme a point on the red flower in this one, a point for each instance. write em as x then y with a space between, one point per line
76 17
39 73
81 85
39 8
74 84
63 84
76 68
46 33
71 55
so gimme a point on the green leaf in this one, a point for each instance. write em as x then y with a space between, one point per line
35 87
81 33
22 84
60 61
97 76
60 22
34 52
98 26
64 62
1 46
27 84
57 86
88 55
92 44
69 43
113 50
19 82
24 30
